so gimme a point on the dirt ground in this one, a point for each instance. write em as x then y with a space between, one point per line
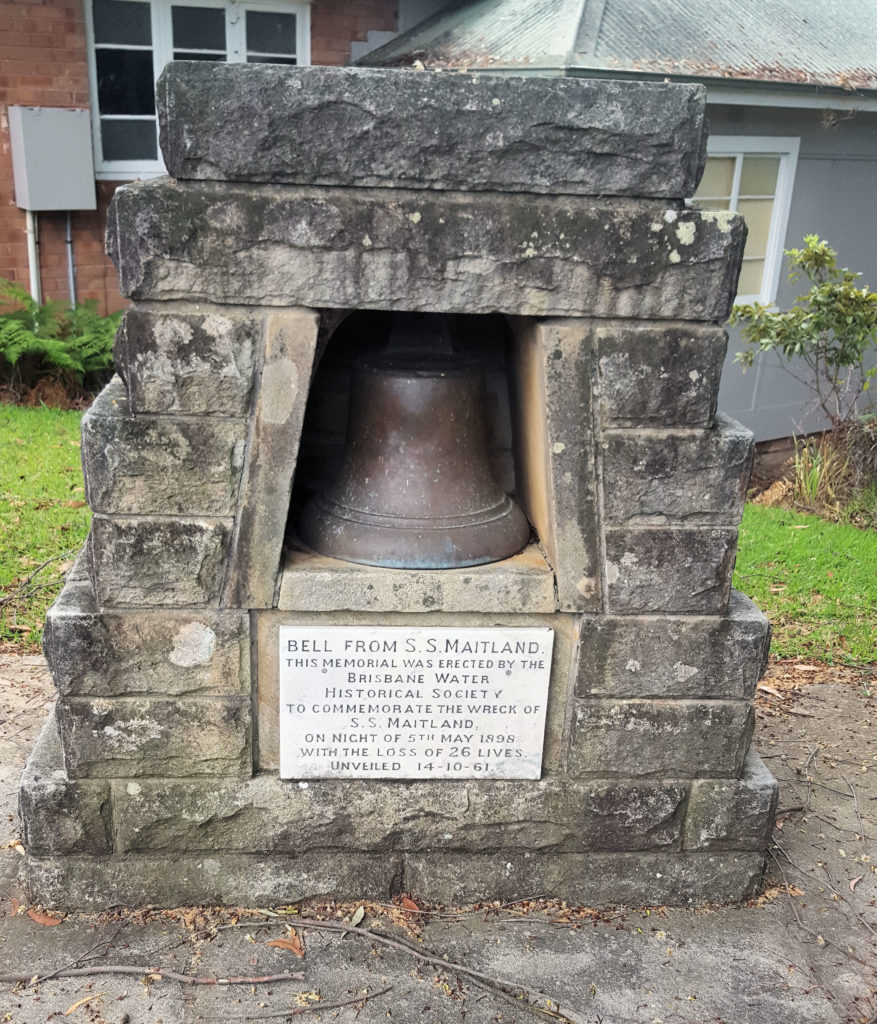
805 952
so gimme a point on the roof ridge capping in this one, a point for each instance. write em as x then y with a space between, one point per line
392 128
809 48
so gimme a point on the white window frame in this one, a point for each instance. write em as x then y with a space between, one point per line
162 53
786 149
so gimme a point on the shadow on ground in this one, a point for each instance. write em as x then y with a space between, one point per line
805 952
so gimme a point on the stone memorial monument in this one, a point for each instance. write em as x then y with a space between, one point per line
243 717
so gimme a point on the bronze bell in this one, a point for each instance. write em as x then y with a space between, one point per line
415 489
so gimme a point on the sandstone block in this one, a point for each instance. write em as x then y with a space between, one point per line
171 652
672 656
733 814
111 738
188 360
673 739
427 251
395 128
316 583
589 879
659 374
555 465
676 570
278 414
58 815
93 883
670 477
159 464
152 560
269 815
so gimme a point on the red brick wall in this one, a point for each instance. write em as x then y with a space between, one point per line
335 24
43 63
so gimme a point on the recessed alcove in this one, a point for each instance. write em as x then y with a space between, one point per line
316 582
361 333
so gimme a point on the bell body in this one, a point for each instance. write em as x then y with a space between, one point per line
415 489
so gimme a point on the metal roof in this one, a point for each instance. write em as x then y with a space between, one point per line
825 43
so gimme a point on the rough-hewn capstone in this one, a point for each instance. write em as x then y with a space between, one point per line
675 570
675 656
658 374
274 816
188 360
113 738
82 883
669 738
59 815
733 814
318 583
556 476
155 560
166 465
591 879
425 251
653 477
171 652
254 122
278 414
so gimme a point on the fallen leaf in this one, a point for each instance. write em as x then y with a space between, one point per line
801 527
771 690
855 881
410 905
74 504
16 906
82 1002
358 915
293 943
780 822
38 918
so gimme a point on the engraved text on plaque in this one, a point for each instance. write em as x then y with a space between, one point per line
413 703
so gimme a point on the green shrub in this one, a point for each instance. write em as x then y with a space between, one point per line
832 329
53 340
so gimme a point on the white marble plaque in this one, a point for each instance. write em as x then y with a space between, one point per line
391 702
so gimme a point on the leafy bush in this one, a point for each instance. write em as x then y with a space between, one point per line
832 328
53 340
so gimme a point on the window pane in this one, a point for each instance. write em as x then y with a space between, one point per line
750 277
757 213
198 28
124 81
759 175
271 33
718 176
128 140
121 21
187 55
270 60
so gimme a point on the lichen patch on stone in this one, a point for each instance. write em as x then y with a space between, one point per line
194 644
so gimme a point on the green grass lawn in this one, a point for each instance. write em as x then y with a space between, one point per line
43 515
815 580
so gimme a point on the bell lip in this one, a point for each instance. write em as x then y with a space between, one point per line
384 546
338 511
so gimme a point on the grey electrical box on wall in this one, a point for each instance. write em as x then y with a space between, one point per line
52 162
